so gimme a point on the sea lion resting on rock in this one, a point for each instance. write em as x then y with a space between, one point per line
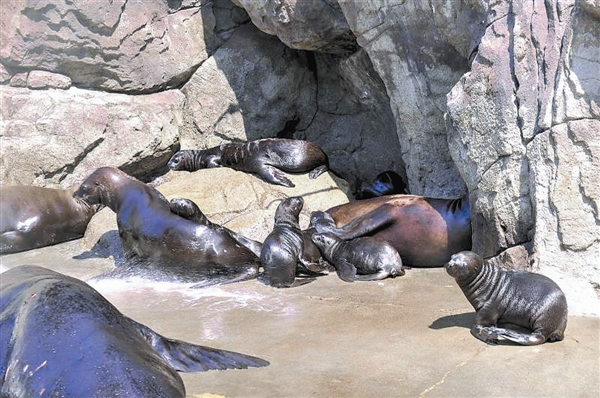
159 244
504 297
267 158
60 337
424 231
32 217
282 249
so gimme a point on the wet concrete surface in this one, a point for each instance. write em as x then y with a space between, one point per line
407 336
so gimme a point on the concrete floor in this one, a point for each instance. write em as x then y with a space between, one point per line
407 336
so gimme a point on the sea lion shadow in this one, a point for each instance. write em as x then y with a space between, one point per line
108 245
465 320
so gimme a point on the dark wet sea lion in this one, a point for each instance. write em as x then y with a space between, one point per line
159 244
386 183
360 259
186 208
507 298
32 217
266 157
283 247
61 338
425 231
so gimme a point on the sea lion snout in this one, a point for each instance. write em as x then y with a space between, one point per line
175 163
457 266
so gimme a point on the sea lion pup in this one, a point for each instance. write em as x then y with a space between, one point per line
372 258
32 217
159 244
186 208
283 247
424 231
386 183
267 158
505 297
60 337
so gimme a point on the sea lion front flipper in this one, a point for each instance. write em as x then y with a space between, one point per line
382 274
252 245
534 338
362 225
187 357
317 171
274 176
485 334
345 270
222 276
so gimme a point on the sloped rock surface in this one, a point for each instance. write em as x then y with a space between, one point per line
58 137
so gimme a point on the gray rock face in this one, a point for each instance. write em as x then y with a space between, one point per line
134 46
249 89
419 57
315 25
58 137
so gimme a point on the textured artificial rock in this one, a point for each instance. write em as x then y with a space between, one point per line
132 46
419 58
354 123
237 200
315 25
39 79
58 137
250 88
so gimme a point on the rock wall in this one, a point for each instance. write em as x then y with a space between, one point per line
497 100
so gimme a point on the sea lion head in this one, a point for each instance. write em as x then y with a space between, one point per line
464 264
321 218
290 207
177 161
97 187
324 240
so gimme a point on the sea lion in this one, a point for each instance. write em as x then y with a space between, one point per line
186 208
386 183
372 258
32 217
160 244
267 158
510 298
60 337
283 247
425 231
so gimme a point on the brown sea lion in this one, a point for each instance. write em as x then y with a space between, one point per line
61 338
424 231
159 244
266 157
510 298
282 249
32 217
360 259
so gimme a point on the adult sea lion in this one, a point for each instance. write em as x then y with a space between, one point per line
32 217
283 247
386 183
60 337
510 298
371 258
160 244
267 158
424 231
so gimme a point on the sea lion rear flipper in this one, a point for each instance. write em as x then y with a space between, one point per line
362 225
187 357
534 338
317 171
274 176
252 245
346 271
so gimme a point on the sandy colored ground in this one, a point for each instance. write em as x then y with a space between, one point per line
403 337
